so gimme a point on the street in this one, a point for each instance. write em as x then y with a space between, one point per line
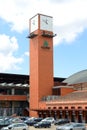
53 127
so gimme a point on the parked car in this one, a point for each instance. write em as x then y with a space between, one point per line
32 121
24 118
4 122
38 119
42 124
72 126
61 121
15 120
50 119
16 126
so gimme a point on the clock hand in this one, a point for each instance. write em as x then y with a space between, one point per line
45 21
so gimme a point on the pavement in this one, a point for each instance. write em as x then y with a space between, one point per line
53 127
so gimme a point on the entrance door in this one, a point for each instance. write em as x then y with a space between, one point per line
80 117
73 116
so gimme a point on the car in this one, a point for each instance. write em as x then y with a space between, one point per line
61 121
4 122
50 119
72 126
16 126
15 120
32 121
38 119
24 118
42 124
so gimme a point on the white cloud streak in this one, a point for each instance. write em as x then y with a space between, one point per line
27 53
8 45
69 15
69 19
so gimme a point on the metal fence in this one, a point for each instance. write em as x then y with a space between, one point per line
50 98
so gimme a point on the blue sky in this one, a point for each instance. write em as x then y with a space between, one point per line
69 23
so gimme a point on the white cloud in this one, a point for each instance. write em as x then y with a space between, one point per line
70 17
8 45
26 53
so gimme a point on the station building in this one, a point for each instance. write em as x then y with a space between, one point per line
14 94
41 94
67 99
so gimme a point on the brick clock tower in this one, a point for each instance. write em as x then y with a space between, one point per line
41 60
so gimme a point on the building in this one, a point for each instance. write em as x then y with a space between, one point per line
71 98
41 94
14 91
68 99
41 59
14 94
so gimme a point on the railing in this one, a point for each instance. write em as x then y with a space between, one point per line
74 96
50 98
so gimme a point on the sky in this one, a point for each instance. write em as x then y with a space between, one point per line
69 23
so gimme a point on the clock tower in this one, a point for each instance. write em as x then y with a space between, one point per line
41 60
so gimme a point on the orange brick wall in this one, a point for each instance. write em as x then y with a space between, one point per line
41 69
13 98
65 91
34 73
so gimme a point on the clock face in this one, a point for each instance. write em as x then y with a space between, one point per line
46 23
34 23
